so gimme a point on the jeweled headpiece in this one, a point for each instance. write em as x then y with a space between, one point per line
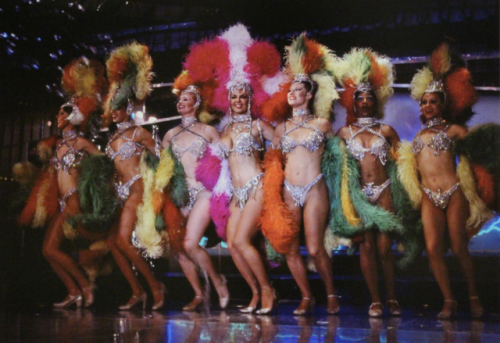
304 78
446 73
193 90
362 70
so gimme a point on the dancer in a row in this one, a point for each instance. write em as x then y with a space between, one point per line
129 73
296 190
451 209
369 142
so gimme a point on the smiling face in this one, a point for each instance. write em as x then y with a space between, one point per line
365 105
431 106
62 118
239 101
185 104
298 96
120 115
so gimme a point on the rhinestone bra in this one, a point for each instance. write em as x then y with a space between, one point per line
244 144
379 149
439 142
71 157
127 149
197 148
313 141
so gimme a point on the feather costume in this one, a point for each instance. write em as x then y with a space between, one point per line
310 62
362 69
445 74
342 173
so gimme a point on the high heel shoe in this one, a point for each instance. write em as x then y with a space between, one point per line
394 308
193 305
335 310
306 311
134 301
88 294
70 300
268 310
450 311
248 309
375 310
159 304
477 312
223 301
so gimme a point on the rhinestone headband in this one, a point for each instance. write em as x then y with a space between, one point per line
364 87
436 87
193 90
303 78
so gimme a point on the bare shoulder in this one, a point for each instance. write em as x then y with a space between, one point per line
457 131
343 132
388 131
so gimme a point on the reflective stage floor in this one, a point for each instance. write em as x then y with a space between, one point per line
172 325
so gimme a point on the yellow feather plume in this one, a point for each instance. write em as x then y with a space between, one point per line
325 95
347 205
69 232
408 173
139 55
479 212
40 216
149 239
165 170
419 83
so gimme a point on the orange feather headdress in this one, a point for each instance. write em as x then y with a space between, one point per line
363 70
85 85
447 74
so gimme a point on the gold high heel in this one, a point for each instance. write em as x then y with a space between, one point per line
134 301
159 304
448 313
335 310
248 309
308 310
70 300
268 310
193 305
88 294
375 310
223 301
476 313
394 309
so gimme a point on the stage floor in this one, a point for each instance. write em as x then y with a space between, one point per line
173 325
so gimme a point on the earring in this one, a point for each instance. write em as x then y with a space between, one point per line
130 107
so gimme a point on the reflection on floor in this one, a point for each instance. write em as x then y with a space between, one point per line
172 325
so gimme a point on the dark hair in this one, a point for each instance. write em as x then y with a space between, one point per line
67 108
313 89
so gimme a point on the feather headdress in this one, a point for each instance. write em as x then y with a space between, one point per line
447 74
234 60
306 61
129 69
362 70
85 85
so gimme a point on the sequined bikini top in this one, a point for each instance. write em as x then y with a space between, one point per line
379 149
314 141
127 149
439 142
197 148
244 144
71 157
